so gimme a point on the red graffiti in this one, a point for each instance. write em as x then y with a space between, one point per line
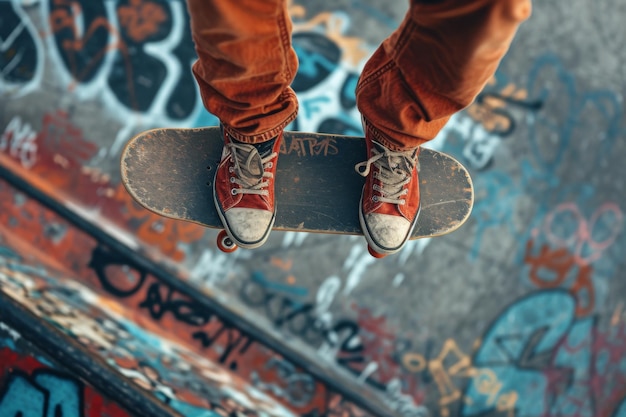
59 135
550 268
573 244
604 381
141 19
378 341
585 245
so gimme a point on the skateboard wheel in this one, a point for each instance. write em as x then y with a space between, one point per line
374 253
225 243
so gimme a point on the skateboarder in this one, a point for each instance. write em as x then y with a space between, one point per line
432 66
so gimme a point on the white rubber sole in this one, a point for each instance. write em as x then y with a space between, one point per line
373 244
239 242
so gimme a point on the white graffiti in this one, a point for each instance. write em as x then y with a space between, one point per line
214 267
357 264
13 334
19 141
403 403
479 144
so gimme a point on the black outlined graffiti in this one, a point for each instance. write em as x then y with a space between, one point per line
547 364
19 55
296 387
45 394
323 82
82 34
342 336
140 24
135 55
318 57
144 49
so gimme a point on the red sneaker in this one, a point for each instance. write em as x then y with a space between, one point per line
243 190
390 201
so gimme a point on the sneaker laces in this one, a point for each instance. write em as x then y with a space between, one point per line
250 169
395 170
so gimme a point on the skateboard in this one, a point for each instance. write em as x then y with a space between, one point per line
170 172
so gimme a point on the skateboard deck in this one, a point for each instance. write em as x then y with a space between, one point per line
170 172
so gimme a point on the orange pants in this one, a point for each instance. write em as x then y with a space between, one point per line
435 63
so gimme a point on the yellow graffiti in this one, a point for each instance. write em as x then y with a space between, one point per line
451 363
617 314
354 49
460 367
488 111
487 384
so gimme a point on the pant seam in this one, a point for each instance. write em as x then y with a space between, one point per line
374 76
284 37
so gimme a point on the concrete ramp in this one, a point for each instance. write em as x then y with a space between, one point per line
66 347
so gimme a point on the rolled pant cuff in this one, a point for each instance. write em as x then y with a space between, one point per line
264 136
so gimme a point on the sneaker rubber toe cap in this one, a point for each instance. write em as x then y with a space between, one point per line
249 227
388 232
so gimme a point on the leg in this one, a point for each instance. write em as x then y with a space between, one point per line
245 66
435 64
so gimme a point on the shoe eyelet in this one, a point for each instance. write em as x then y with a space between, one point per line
231 169
233 191
270 165
375 199
232 180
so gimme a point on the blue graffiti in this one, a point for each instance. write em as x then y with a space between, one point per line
317 89
565 118
540 354
517 347
256 290
325 87
46 394
318 57
23 397
621 411
496 196
148 72
192 411
568 123
8 253
575 361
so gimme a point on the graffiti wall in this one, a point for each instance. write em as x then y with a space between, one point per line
31 385
137 321
519 313
187 382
